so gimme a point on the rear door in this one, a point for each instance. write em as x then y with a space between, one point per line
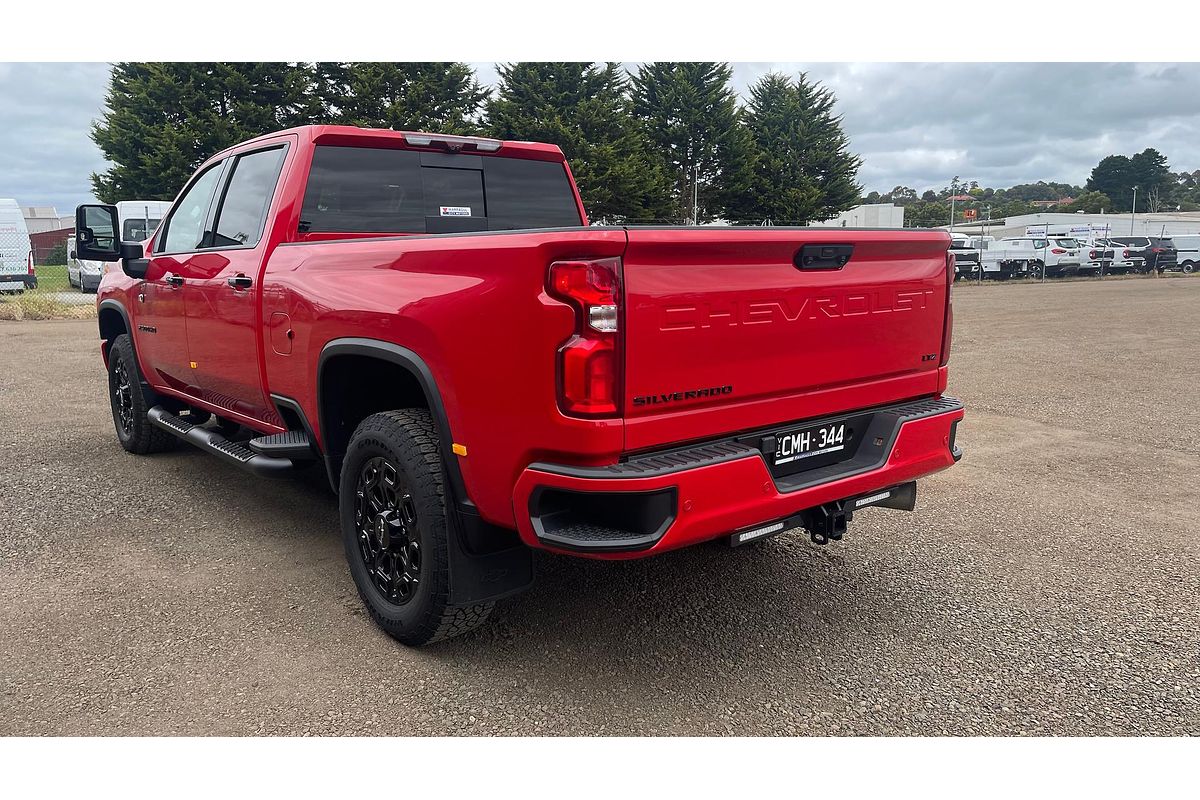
221 286
730 328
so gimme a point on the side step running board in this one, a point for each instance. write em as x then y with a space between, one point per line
293 444
233 452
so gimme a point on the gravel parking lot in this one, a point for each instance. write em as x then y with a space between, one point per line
1050 583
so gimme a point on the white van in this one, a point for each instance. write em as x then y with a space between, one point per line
1187 249
138 219
16 254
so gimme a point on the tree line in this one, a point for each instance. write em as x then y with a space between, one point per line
669 142
1109 188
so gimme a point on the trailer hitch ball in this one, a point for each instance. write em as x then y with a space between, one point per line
827 522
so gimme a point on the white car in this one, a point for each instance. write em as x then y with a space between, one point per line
85 275
1112 257
1033 256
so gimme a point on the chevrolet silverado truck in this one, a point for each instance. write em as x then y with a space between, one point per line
431 321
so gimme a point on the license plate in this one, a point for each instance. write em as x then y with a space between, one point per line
792 447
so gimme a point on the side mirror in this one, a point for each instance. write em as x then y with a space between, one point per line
96 233
96 239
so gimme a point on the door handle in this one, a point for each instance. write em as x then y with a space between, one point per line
174 280
240 281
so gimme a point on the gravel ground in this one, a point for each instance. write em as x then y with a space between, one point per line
1047 584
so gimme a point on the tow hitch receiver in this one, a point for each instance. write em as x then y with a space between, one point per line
828 521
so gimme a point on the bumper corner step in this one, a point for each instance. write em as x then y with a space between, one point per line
293 444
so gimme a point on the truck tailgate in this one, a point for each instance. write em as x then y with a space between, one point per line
724 332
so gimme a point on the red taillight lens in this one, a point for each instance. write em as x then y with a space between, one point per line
948 321
589 362
29 260
1092 254
1058 251
1125 254
1156 249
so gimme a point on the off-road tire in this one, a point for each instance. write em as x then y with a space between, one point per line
140 435
408 440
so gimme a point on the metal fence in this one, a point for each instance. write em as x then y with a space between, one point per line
40 291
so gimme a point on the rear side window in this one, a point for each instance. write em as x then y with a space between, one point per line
377 190
248 195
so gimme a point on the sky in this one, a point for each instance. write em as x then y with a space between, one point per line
916 125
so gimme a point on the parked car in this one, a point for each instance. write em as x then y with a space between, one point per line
1029 256
1152 252
1101 254
527 381
966 257
1187 252
16 254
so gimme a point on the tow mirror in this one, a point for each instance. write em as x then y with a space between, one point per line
96 232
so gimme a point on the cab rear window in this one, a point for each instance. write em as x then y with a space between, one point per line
379 190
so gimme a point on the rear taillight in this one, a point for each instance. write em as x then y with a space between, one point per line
1058 251
29 261
948 321
589 363
1092 254
1125 254
1156 250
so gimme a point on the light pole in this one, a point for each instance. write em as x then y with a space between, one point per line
987 210
1133 211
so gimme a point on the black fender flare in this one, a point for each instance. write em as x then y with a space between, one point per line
487 562
152 397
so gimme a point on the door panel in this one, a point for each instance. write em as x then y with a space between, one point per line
222 292
162 327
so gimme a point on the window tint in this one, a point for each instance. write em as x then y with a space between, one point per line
185 227
374 190
240 219
358 189
528 194
1067 243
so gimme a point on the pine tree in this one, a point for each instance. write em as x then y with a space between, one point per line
584 109
436 96
163 120
690 116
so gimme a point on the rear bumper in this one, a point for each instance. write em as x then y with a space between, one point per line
9 281
665 501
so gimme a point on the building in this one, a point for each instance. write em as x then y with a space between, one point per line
45 242
874 215
1168 223
45 218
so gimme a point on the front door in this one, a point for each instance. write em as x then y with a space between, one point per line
222 291
160 317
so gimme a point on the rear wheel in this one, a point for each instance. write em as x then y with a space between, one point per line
1034 270
394 529
134 429
1188 267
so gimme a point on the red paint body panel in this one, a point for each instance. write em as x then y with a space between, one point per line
699 308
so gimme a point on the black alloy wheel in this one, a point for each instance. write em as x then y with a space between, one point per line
385 517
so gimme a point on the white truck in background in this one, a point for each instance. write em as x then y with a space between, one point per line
138 219
16 252
1031 256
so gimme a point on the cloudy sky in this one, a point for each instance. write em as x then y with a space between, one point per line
915 125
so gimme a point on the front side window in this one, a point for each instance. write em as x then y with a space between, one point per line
185 227
244 207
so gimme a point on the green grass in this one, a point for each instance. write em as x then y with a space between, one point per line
42 302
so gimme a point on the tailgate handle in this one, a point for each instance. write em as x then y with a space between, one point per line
823 256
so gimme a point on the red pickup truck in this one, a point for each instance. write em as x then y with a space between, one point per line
481 373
